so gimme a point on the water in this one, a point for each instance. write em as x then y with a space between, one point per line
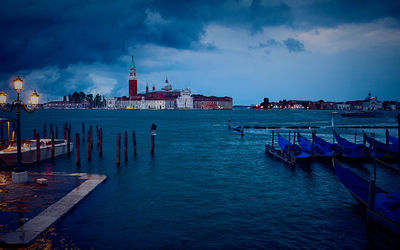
206 187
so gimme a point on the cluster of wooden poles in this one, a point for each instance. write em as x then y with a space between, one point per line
99 142
89 139
53 135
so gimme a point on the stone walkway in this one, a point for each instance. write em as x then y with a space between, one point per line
27 210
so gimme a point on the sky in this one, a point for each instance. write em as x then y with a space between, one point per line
333 50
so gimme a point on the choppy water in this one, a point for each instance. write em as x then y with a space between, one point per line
206 187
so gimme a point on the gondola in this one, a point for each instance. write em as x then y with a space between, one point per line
381 150
329 149
292 150
351 150
309 147
385 210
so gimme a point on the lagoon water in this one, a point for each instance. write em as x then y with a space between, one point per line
206 186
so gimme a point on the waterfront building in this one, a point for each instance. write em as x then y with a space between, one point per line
185 100
211 102
342 106
371 103
167 98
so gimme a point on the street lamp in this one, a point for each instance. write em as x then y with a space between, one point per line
20 175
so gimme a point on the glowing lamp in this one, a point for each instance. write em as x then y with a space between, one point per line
18 82
34 98
3 97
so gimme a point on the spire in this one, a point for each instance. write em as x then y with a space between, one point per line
166 79
133 66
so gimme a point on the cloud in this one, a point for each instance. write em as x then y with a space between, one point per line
291 44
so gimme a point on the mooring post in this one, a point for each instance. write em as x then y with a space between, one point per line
56 132
229 124
34 133
83 131
97 136
289 136
273 138
91 137
89 149
294 137
52 144
68 141
387 139
38 148
101 142
126 145
118 149
78 149
398 136
44 131
355 137
134 143
153 134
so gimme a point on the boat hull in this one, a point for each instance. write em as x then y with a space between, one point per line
30 156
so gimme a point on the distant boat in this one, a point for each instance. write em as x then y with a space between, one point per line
360 114
386 206
351 150
28 150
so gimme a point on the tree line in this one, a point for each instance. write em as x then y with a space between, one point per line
97 101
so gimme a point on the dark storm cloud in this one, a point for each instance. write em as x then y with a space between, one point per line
291 44
35 34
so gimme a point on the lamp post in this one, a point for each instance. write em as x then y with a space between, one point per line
20 175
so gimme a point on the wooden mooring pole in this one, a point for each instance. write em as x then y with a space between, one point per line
69 141
272 144
101 142
153 134
89 149
83 131
398 136
44 131
118 149
52 144
134 143
97 136
126 145
38 148
78 149
91 137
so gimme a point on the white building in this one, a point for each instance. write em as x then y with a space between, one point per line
371 103
185 100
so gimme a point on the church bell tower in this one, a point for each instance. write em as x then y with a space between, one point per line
132 80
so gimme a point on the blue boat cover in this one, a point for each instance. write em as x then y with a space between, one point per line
389 205
311 148
327 147
393 140
292 149
380 146
350 149
354 183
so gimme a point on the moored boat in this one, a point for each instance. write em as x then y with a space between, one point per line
29 151
383 208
